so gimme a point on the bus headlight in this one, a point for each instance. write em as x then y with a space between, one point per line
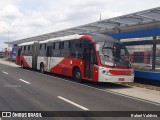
104 72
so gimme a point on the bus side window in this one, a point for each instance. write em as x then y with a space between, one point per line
40 47
57 45
45 46
24 48
62 45
28 48
66 45
71 44
65 49
53 45
56 52
76 48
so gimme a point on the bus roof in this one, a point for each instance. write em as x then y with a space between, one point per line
27 43
70 37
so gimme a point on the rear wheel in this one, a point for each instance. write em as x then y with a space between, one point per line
77 75
42 68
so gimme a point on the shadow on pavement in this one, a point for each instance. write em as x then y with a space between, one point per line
88 83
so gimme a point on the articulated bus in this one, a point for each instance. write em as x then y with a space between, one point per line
91 57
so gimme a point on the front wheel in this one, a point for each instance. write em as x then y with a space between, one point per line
77 75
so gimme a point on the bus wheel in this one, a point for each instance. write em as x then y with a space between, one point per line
77 75
42 68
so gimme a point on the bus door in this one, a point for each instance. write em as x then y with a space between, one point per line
18 55
89 58
48 58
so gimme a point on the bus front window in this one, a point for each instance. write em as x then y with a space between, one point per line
114 54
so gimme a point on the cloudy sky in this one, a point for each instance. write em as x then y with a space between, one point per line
26 18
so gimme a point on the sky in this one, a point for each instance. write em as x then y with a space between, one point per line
26 18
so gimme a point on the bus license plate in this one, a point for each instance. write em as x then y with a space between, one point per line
121 79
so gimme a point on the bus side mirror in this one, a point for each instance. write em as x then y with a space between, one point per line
97 47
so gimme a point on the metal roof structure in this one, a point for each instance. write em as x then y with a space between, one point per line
130 22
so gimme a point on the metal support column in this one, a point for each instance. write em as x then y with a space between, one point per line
154 53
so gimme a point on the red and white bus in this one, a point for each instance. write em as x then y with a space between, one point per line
91 57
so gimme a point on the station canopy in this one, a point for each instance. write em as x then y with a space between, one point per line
135 21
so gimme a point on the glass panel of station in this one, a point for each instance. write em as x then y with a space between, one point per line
141 53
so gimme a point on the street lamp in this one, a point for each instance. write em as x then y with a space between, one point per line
8 31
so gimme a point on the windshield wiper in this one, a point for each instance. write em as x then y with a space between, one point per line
116 59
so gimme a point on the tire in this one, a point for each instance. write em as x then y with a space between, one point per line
42 68
77 75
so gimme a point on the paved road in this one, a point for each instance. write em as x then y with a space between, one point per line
26 90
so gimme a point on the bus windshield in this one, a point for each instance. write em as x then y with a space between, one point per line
114 54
